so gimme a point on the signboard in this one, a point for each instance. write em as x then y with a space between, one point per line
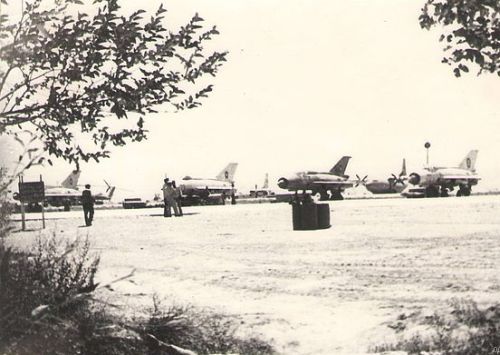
31 191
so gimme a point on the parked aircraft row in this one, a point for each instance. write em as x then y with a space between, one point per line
430 181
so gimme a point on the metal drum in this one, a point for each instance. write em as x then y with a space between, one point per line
323 215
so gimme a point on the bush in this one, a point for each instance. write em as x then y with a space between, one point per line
465 329
42 290
199 331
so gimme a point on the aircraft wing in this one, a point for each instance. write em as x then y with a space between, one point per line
460 177
212 188
328 184
62 192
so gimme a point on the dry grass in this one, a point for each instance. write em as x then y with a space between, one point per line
465 329
202 332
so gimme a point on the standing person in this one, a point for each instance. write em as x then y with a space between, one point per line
204 195
88 205
169 197
177 197
233 194
167 211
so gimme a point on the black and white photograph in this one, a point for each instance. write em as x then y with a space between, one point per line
249 177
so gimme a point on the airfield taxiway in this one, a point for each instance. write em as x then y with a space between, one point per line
307 292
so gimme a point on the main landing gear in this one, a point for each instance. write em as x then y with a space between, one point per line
324 196
432 191
463 191
336 195
442 191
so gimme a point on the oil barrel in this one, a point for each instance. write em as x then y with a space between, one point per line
309 216
323 215
296 216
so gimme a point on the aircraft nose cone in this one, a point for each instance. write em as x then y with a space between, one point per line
282 183
414 179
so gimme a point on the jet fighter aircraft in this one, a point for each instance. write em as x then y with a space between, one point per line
66 193
333 181
264 191
196 190
438 181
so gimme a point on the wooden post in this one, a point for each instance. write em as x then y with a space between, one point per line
43 217
23 212
23 217
43 208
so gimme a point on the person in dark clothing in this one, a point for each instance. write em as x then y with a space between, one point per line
88 205
204 195
233 195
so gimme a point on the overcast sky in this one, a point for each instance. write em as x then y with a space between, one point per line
305 83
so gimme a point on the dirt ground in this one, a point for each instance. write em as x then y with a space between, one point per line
307 292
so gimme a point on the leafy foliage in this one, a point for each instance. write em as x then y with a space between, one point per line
72 78
473 32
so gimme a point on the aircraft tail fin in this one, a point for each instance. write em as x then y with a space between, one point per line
339 168
403 169
227 174
266 182
71 182
469 162
110 190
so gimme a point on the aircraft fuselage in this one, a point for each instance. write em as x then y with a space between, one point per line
433 182
384 187
317 182
195 186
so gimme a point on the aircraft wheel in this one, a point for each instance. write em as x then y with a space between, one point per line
463 191
336 195
431 191
316 193
444 192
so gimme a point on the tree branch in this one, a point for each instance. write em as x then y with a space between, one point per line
25 83
4 79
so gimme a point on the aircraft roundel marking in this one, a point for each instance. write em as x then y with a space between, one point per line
226 174
468 162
